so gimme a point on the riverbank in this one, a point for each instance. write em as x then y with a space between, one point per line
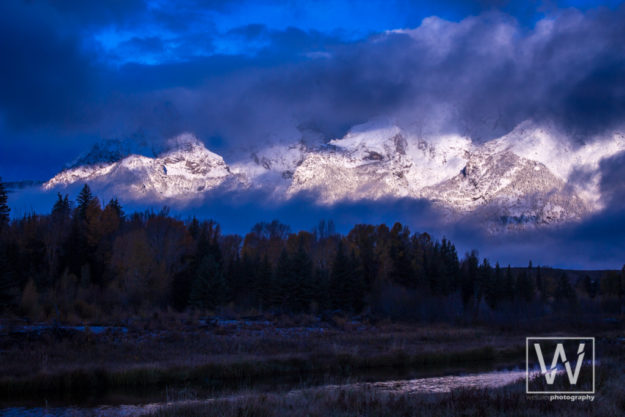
74 362
369 400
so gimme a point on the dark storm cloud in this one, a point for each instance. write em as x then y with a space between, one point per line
598 99
480 76
612 181
45 78
96 12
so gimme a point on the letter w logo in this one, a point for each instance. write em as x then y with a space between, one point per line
550 375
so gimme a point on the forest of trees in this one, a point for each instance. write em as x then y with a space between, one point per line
90 260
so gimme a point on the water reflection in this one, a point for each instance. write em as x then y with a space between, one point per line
102 411
436 384
445 384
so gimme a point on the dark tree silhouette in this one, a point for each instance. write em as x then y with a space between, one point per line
83 200
207 288
4 207
525 287
91 258
469 279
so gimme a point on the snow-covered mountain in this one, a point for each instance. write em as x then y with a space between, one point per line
375 161
184 170
524 178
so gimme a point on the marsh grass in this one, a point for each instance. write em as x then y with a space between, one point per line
84 381
509 401
178 352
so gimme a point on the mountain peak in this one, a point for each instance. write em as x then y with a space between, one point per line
183 170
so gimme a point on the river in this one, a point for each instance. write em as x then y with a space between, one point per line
140 405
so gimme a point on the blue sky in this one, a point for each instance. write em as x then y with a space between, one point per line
167 32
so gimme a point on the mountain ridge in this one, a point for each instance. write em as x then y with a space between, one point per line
521 179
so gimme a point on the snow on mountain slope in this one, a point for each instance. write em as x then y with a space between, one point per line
552 148
521 178
511 189
272 166
185 170
530 176
354 168
374 161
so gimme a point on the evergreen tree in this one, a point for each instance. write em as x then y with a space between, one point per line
484 278
611 284
183 280
621 292
9 284
4 207
540 285
508 288
355 287
362 237
322 288
181 287
244 282
563 288
525 287
451 267
565 293
433 269
83 200
401 264
61 210
265 278
56 234
232 273
591 286
493 292
114 205
469 279
207 288
77 252
281 281
340 279
300 283
194 228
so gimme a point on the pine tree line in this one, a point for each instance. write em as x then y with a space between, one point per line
87 258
